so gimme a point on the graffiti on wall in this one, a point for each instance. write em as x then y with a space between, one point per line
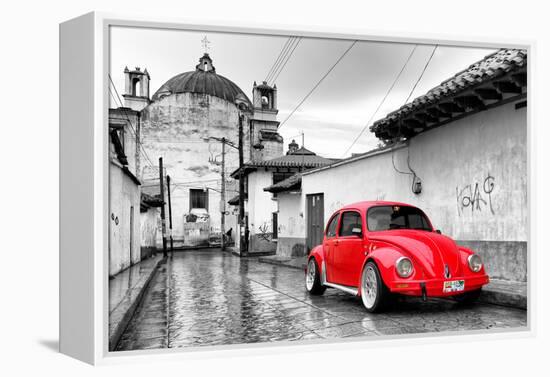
291 226
381 196
476 196
335 206
264 233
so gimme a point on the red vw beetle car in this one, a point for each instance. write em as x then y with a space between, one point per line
377 249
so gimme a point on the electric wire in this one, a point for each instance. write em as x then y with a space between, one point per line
279 57
134 132
412 172
142 148
278 60
289 55
421 74
383 100
318 83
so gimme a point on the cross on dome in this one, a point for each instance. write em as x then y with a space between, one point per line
205 43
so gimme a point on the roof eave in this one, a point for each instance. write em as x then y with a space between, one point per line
441 106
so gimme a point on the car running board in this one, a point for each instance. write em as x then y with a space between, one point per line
353 291
344 288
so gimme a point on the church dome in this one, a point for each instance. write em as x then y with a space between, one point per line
203 80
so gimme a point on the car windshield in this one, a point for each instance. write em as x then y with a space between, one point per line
396 217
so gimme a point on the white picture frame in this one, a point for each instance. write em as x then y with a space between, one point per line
84 54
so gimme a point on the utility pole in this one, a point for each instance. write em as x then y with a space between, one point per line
162 214
224 142
223 196
170 215
243 105
242 227
303 163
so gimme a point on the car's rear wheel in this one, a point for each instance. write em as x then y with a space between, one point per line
313 278
468 298
374 293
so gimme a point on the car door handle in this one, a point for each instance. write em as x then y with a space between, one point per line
336 242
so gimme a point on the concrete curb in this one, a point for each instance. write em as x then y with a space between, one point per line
498 293
516 297
286 262
126 317
234 251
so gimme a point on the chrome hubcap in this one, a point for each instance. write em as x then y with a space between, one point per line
310 275
369 287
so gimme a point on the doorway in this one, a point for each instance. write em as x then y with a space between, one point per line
315 220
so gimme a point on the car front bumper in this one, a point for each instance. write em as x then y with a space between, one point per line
434 287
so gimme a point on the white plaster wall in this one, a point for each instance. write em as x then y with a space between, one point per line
130 130
290 216
486 148
149 227
174 128
260 203
123 194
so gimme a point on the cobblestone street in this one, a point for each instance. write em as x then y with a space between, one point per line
213 298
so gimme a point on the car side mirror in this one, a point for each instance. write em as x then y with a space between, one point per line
438 231
357 232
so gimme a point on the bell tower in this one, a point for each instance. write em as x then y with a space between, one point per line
265 139
136 94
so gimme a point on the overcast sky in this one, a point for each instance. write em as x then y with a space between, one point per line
336 111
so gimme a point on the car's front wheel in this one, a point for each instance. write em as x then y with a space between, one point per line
313 278
374 293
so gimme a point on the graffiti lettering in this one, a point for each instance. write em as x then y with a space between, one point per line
264 232
335 206
381 196
476 196
291 226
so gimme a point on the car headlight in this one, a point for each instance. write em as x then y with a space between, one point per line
404 267
474 261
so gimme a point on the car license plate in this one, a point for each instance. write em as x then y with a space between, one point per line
453 286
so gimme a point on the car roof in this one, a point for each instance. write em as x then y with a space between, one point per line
371 203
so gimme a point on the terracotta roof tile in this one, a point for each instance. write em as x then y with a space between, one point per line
491 67
305 161
292 182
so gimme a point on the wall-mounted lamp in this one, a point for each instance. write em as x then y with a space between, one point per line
416 185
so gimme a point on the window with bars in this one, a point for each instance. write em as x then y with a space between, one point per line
198 198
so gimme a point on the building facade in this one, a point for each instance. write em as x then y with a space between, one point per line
124 194
192 122
291 227
150 225
459 153
262 212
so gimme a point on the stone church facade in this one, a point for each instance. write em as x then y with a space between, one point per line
184 122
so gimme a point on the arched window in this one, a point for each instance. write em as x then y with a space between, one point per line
136 87
265 102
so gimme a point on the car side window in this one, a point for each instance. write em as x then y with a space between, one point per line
350 220
417 222
331 228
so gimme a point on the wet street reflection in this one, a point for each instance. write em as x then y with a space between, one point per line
214 298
